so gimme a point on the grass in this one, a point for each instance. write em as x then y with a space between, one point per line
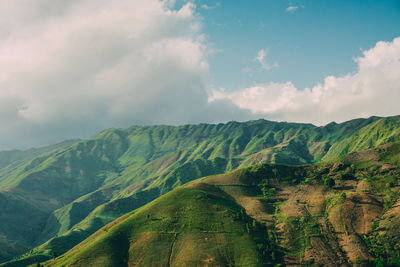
299 230
337 199
193 225
176 219
385 185
141 163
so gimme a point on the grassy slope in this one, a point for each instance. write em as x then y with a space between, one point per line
182 228
46 183
374 134
246 218
98 180
9 162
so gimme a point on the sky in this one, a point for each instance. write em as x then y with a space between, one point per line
69 69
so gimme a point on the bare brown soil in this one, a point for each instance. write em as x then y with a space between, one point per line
342 223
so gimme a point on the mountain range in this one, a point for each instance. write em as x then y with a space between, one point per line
257 193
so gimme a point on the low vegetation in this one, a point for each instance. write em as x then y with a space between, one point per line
55 200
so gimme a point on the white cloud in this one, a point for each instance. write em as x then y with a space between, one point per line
261 58
208 7
291 8
73 68
373 90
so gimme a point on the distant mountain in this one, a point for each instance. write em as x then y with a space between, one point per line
262 216
57 199
15 157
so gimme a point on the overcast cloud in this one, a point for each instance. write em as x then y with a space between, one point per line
73 68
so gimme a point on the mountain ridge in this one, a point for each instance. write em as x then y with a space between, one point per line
101 178
313 226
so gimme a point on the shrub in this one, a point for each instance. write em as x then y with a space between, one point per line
374 225
268 192
347 176
329 182
307 181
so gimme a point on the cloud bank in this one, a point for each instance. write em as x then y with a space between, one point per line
374 89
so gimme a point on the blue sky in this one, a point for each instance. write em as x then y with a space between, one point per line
70 69
317 39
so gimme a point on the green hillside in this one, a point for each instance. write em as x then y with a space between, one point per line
69 193
262 216
194 225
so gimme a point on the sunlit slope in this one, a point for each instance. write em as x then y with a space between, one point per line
92 182
186 227
376 133
261 216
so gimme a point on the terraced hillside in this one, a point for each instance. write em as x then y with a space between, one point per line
57 199
344 212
